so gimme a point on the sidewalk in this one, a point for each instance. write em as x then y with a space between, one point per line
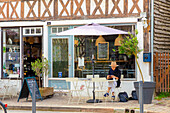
59 103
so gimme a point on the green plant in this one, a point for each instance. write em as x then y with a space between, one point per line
37 66
162 95
129 46
40 66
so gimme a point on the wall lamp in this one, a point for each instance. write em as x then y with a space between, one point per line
143 19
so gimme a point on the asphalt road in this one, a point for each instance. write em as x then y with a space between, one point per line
25 111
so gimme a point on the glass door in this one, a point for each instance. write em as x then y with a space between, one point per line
60 67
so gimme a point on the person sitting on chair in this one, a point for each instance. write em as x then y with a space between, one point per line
114 73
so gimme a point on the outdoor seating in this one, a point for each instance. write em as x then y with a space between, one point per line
89 84
117 91
101 87
74 90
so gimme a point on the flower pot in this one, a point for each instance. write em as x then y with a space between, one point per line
148 90
46 91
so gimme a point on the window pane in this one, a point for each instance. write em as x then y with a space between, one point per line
65 28
27 31
54 30
60 57
32 31
59 29
11 52
38 30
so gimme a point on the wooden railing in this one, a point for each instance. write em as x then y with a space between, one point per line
162 72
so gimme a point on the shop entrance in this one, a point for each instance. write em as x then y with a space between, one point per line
32 52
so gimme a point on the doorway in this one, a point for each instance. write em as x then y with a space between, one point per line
32 52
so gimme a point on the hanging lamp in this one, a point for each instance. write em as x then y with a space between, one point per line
99 39
117 40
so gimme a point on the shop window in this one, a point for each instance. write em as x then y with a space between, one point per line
103 55
11 53
55 30
60 58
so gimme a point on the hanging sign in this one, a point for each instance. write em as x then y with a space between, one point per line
27 88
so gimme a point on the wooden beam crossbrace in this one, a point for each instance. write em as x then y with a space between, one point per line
14 10
79 9
31 8
1 10
115 7
47 8
135 4
64 7
97 7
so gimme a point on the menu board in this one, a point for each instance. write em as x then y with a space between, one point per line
27 88
103 51
30 85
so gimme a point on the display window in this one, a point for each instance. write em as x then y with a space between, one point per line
102 48
11 52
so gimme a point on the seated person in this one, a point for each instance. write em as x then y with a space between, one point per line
114 73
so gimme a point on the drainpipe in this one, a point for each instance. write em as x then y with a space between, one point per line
152 30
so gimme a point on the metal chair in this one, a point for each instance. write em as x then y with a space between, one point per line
100 89
75 90
89 84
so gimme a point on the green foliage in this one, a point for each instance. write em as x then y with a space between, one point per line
113 50
37 66
40 66
162 95
129 45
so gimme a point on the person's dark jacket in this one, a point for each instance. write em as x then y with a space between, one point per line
116 73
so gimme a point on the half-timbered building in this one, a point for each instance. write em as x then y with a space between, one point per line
29 27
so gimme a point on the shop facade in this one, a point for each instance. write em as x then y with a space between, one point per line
65 53
32 34
21 44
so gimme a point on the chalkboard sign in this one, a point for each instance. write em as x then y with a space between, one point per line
27 88
103 51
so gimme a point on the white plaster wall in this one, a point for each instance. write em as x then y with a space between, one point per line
45 49
143 65
10 87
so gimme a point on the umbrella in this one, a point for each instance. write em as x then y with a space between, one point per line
92 29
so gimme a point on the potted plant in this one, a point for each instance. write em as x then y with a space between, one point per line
129 46
37 68
41 68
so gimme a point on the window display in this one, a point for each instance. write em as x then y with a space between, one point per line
11 53
102 47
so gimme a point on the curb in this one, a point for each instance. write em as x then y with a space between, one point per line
78 109
65 109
